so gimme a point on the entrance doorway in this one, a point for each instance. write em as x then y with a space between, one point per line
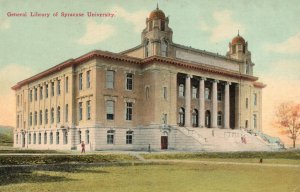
164 142
207 119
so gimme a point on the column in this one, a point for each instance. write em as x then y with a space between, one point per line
214 104
227 106
187 119
201 102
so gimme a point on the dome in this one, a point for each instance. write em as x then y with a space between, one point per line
238 40
157 14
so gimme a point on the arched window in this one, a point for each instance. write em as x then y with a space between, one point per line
162 25
195 118
164 48
52 115
181 90
40 138
87 136
30 119
45 138
181 117
65 137
29 138
51 138
58 114
129 137
79 136
150 25
110 136
57 137
207 119
148 49
220 118
34 138
46 116
147 92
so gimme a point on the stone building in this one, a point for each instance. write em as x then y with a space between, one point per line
159 93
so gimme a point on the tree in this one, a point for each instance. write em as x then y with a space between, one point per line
288 120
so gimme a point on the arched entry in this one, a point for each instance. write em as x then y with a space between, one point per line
207 119
164 140
23 139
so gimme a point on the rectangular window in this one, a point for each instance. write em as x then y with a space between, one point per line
110 79
247 103
110 110
255 99
254 121
41 117
181 90
41 92
219 95
129 81
46 91
17 121
110 136
129 111
65 137
30 95
52 115
29 138
80 81
67 84
79 136
57 138
165 93
40 138
80 111
58 87
87 136
52 88
35 94
194 92
51 138
34 138
18 100
129 136
88 79
30 119
67 113
45 138
207 93
88 110
35 118
246 124
46 116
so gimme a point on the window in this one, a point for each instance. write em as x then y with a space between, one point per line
207 93
147 92
35 94
110 136
58 115
17 138
35 118
52 115
246 124
80 81
41 117
30 95
58 87
18 100
110 110
164 48
40 138
67 113
165 118
165 92
46 116
52 88
18 121
87 136
88 110
45 138
79 136
65 137
41 92
67 84
148 49
129 136
51 138
195 118
219 118
247 103
34 138
162 25
29 138
46 91
181 90
88 79
57 138
110 79
129 81
194 92
255 99
80 111
150 25
129 111
254 121
219 95
181 117
233 49
30 119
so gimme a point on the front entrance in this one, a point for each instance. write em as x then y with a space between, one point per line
164 142
207 119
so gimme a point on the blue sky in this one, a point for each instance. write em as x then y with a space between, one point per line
271 27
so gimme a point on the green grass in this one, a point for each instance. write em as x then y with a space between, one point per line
143 178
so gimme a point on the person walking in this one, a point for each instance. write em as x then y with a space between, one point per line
82 147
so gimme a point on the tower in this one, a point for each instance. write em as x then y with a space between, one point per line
157 35
238 49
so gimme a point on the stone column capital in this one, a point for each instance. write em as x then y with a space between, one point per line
227 83
189 76
216 81
203 78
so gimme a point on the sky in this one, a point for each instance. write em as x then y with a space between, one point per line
29 45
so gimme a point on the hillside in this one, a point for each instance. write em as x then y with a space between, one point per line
6 135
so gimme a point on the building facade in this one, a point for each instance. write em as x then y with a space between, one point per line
158 93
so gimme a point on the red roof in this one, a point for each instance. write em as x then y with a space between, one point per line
238 40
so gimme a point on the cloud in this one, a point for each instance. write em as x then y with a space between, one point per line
4 23
9 76
225 27
289 46
96 33
136 18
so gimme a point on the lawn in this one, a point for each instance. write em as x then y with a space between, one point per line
176 177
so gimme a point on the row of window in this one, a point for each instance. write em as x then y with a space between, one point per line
195 94
110 139
110 80
254 100
110 110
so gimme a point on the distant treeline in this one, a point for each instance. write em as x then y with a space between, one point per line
6 135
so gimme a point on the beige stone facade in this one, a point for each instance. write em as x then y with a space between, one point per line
154 94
